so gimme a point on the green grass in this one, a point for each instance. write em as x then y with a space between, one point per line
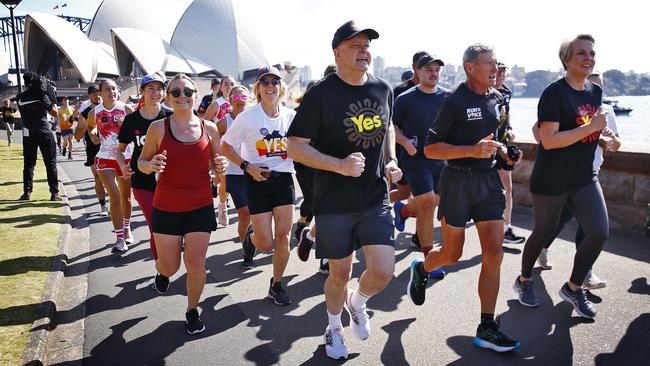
29 234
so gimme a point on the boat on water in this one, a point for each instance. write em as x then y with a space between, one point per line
618 110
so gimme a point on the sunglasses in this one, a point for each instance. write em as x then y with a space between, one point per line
177 92
266 82
243 98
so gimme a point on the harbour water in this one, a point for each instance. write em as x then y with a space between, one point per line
633 129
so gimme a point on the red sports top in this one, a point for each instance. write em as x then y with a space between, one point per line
185 183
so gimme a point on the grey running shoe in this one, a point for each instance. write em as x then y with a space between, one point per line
278 294
578 299
222 214
335 344
359 319
418 280
193 322
525 293
103 211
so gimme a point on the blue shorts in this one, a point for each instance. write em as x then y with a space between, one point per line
423 175
236 186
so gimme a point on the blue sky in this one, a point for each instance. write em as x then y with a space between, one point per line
523 32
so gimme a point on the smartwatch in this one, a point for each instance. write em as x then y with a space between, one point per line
244 165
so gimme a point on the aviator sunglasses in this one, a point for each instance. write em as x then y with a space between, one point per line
243 98
266 82
177 92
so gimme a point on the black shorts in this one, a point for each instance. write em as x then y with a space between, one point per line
202 220
236 186
276 191
339 235
91 153
470 194
423 175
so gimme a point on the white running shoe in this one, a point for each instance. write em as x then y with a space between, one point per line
335 344
128 236
359 319
103 211
593 282
543 260
222 214
120 246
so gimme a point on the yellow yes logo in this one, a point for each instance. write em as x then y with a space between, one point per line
366 124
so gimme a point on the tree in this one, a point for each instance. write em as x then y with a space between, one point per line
537 81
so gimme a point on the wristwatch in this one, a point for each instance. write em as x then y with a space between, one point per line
243 165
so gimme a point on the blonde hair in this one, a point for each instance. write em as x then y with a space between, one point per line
566 48
258 95
180 76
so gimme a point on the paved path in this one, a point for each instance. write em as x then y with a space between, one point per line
124 322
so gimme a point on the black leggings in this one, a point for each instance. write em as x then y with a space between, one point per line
305 176
588 206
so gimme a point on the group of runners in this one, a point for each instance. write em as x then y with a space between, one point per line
341 142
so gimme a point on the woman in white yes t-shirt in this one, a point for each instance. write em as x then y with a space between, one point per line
261 132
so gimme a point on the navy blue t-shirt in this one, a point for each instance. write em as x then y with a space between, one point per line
564 170
340 119
414 112
464 119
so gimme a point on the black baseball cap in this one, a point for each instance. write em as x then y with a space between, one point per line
427 59
350 30
215 81
93 88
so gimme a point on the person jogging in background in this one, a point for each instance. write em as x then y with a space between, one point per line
67 127
343 129
8 119
134 132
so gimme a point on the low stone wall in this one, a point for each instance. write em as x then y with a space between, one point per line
624 177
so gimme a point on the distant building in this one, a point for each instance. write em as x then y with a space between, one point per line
393 75
379 65
518 73
305 75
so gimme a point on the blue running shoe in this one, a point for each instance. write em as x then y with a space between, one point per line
399 220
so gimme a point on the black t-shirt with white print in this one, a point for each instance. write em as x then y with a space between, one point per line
134 130
340 119
564 170
464 119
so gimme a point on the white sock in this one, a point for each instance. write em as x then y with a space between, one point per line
358 300
309 236
334 320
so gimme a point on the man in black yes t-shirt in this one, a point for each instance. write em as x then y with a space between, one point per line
347 118
34 105
470 188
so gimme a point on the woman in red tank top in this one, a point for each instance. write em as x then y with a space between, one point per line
181 149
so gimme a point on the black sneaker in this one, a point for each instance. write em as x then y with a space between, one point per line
248 263
193 321
278 294
415 241
489 336
510 237
55 197
25 197
63 151
247 245
417 282
324 267
160 283
299 227
578 299
304 245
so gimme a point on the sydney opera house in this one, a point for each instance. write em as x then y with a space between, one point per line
132 38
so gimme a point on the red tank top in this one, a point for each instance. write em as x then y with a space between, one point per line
185 183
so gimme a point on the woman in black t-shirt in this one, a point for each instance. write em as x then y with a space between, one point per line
570 122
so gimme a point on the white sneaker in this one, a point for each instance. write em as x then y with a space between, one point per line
543 260
128 236
222 214
593 282
359 320
103 211
120 246
335 344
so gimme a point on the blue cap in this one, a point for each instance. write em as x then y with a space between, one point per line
151 78
407 75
